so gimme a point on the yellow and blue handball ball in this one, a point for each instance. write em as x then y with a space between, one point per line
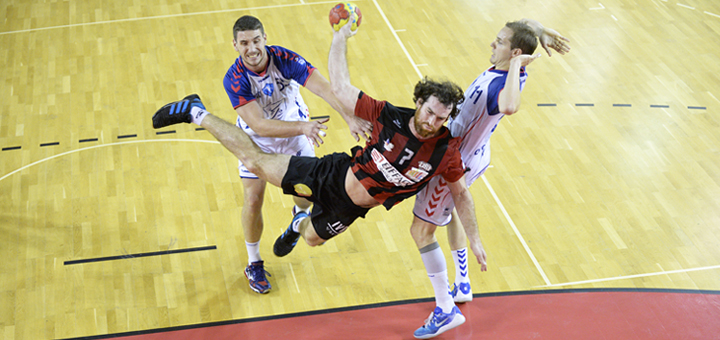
343 13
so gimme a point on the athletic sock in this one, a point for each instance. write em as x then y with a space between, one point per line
296 224
461 265
253 250
436 268
198 114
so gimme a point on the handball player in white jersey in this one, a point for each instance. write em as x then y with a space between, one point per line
263 86
493 95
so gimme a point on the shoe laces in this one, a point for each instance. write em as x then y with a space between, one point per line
259 272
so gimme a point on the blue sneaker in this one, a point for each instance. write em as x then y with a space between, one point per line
461 293
255 272
287 241
439 322
176 112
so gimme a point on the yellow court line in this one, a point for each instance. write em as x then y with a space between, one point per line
104 145
169 16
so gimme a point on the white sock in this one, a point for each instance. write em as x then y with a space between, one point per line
296 224
253 250
198 114
461 265
436 268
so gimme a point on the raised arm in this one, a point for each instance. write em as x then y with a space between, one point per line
345 92
318 85
509 97
466 211
549 38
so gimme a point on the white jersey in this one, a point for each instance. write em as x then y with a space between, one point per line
478 117
277 92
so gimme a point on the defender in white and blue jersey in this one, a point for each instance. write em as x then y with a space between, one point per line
494 94
263 86
478 118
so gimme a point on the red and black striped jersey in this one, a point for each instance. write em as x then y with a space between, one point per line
394 164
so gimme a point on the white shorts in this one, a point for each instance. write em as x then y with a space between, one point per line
295 146
434 203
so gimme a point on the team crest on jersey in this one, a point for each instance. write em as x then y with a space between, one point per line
268 89
416 174
425 166
388 146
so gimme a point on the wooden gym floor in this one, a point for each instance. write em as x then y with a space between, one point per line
608 177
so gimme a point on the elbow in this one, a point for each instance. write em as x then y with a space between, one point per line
508 109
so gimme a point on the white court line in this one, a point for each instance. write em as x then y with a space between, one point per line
596 8
168 16
507 216
104 145
713 14
398 39
686 6
517 232
632 276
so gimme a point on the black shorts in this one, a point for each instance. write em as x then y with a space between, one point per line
322 181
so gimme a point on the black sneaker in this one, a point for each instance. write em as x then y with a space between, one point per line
287 241
176 112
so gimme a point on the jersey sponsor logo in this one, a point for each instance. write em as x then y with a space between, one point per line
416 174
391 174
425 166
336 228
397 123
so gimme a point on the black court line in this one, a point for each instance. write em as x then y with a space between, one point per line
12 148
126 136
319 117
49 144
88 140
164 132
550 104
199 129
584 104
622 105
660 106
697 108
131 256
391 303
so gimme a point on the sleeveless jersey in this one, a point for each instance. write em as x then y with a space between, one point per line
276 89
394 164
478 117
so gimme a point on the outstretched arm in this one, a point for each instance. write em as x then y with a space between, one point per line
345 92
549 38
466 211
318 85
